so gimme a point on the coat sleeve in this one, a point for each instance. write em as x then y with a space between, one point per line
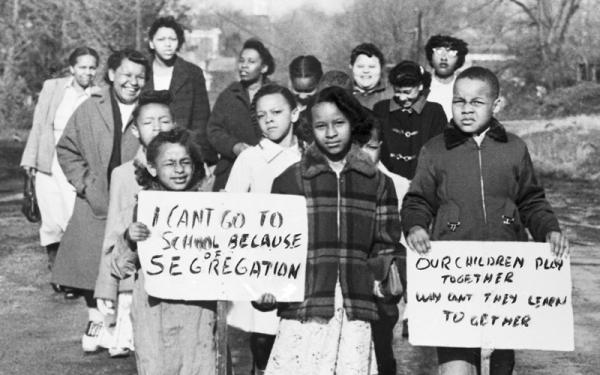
32 146
124 260
70 154
218 134
386 241
420 204
440 121
534 210
241 174
200 116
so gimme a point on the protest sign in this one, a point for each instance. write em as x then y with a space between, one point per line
501 295
223 246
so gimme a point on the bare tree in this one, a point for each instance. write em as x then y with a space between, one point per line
551 20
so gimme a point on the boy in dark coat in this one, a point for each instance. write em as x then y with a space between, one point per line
476 182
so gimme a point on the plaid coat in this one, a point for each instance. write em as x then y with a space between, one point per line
351 218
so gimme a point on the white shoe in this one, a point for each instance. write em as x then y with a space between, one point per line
118 352
90 341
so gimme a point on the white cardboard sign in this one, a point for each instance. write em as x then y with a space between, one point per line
500 295
223 246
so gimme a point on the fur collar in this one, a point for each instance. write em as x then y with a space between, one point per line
314 162
453 136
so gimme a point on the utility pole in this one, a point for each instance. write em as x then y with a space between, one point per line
9 65
138 25
418 36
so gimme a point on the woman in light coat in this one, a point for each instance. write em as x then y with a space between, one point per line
57 101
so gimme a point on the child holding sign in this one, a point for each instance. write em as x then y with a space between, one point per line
170 337
476 182
352 215
254 171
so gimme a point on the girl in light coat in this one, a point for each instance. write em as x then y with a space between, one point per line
254 171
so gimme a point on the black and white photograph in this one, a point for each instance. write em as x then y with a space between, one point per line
306 187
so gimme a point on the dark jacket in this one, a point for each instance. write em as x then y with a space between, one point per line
480 193
231 122
404 133
365 202
370 97
190 103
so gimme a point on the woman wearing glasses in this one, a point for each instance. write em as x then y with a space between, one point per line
446 55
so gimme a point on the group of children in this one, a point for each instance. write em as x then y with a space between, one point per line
351 145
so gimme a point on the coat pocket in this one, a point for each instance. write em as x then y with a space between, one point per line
97 197
447 222
510 221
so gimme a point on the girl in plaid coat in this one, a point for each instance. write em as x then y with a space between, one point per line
352 216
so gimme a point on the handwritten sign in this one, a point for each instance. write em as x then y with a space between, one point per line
502 295
223 246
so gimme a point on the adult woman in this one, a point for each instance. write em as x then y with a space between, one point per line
184 80
231 128
57 101
98 138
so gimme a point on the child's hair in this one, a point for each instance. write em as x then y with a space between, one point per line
116 59
170 23
368 49
482 74
153 97
459 45
409 74
273 88
336 78
263 52
83 51
350 107
177 135
306 66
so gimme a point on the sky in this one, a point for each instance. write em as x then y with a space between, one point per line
275 8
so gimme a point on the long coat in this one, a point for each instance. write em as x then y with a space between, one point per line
231 122
190 103
39 148
84 152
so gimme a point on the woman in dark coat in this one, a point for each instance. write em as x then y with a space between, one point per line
183 79
231 128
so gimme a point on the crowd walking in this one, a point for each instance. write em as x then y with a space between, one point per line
387 160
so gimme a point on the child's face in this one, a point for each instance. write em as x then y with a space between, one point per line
173 167
332 130
250 65
444 61
473 104
373 147
366 71
406 96
275 117
152 119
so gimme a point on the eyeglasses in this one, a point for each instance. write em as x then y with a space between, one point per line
445 51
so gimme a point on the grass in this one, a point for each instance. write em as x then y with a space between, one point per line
564 147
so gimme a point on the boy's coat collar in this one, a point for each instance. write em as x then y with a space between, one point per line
453 136
315 163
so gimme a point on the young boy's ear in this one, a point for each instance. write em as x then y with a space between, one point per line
498 105
295 114
152 170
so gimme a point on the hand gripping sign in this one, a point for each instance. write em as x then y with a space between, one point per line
501 295
223 246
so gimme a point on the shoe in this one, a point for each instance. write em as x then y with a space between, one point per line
90 341
119 352
57 288
70 293
405 328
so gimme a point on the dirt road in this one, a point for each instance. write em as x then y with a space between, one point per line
40 331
